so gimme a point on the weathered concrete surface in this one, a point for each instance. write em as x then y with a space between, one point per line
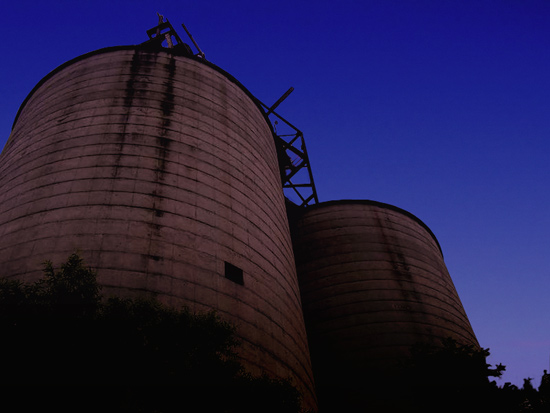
373 283
158 169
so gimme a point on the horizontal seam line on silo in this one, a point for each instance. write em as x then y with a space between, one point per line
451 302
435 280
406 322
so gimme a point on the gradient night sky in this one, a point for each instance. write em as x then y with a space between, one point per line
438 107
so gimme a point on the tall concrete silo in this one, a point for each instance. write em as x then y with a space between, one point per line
373 283
161 169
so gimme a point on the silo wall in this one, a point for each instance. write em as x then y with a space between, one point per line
161 170
373 283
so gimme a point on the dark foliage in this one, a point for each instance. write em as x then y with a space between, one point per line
72 350
456 378
448 377
511 399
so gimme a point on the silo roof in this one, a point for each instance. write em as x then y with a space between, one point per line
143 47
377 204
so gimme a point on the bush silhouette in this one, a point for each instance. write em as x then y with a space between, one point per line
63 340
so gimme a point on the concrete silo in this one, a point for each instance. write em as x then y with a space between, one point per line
373 283
161 169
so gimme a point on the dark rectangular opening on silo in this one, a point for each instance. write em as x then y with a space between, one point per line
234 273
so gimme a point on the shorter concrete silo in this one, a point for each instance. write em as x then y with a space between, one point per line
373 283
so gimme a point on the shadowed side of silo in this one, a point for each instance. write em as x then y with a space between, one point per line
373 284
161 170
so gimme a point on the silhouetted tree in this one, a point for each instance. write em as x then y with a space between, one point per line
456 378
450 377
62 342
544 391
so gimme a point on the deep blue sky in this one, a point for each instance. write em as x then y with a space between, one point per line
438 107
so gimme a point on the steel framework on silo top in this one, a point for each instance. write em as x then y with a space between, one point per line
295 168
296 175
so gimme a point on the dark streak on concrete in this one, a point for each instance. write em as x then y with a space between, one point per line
167 107
129 95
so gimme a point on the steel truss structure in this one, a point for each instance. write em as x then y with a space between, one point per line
295 168
296 175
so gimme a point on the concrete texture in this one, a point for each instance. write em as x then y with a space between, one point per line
373 283
158 169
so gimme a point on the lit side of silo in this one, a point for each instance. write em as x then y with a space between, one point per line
162 171
373 283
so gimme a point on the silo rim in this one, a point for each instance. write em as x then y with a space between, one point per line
377 204
148 49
